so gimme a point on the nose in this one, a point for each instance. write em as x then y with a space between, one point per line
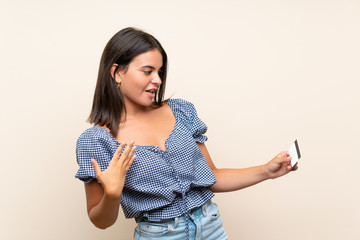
156 80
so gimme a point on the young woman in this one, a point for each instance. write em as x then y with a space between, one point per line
168 188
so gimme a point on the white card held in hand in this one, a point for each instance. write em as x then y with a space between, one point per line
294 152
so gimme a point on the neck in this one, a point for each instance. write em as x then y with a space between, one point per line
133 110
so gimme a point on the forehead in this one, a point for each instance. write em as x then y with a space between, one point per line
150 58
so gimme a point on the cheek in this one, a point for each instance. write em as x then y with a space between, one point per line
133 85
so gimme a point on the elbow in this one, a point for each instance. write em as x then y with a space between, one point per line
216 189
100 223
101 226
213 189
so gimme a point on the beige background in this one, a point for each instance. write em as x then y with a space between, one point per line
261 73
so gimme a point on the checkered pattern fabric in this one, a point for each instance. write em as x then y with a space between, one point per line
159 184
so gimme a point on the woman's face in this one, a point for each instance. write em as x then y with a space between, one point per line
140 81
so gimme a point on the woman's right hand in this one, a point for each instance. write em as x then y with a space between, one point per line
113 178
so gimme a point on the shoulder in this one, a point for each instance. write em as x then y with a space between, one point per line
179 105
186 113
184 110
179 102
94 135
95 142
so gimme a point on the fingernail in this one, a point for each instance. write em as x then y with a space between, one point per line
132 142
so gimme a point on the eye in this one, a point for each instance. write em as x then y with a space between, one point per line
147 72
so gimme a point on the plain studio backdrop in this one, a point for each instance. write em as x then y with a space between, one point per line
260 73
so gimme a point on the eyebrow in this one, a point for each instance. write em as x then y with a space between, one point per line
148 66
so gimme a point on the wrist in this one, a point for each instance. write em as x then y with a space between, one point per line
112 194
265 172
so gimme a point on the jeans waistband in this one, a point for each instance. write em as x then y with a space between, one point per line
202 208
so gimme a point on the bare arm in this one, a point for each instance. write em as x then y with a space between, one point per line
103 210
236 179
103 200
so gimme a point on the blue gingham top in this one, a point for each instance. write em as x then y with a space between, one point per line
159 184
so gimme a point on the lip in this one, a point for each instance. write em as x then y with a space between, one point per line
152 89
151 92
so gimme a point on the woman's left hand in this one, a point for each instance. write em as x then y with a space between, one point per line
279 165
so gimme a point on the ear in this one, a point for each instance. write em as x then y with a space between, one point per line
115 75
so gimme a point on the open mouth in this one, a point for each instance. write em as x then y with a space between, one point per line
151 93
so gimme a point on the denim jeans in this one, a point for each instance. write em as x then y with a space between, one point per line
204 223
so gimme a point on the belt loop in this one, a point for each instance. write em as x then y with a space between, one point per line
176 221
203 209
205 206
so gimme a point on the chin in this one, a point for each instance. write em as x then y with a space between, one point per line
147 103
141 101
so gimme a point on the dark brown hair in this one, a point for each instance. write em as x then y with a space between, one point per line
122 48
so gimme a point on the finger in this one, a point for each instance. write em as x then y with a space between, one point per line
284 157
289 167
132 159
295 167
286 154
96 167
126 152
118 151
131 153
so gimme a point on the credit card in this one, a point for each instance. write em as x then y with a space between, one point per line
294 152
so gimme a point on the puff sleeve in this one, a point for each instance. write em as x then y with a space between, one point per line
190 118
93 143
